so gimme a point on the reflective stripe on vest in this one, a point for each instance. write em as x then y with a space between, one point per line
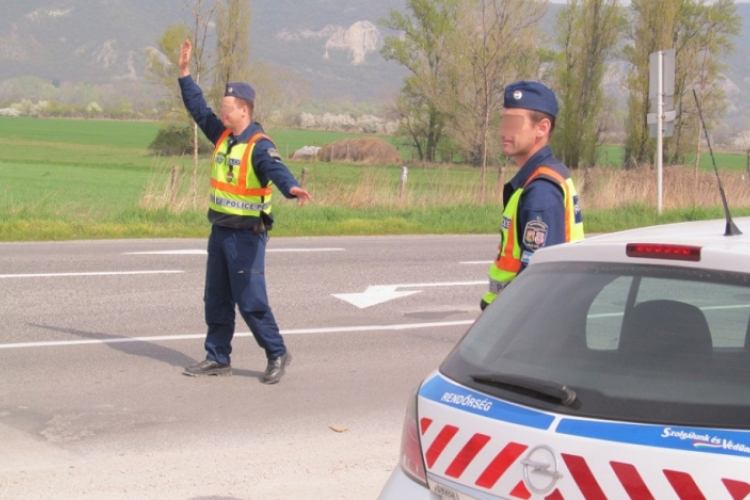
509 260
237 193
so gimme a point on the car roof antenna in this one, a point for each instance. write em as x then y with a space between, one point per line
732 229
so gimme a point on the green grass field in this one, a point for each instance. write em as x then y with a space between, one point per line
80 179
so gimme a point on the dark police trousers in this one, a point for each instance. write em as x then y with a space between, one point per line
235 276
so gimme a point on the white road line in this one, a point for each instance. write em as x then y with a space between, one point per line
307 331
112 273
203 252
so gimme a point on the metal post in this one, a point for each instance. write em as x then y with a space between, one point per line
659 129
402 187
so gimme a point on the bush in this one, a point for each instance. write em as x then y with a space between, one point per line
173 140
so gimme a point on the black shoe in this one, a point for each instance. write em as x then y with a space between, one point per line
207 367
276 368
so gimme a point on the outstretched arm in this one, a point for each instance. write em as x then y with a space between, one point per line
193 98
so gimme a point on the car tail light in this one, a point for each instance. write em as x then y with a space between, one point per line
663 251
411 450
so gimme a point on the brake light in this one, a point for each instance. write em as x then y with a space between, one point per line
411 450
663 251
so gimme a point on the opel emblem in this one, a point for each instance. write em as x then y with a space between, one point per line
540 470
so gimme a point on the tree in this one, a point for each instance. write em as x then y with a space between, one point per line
415 121
588 32
203 13
700 32
422 49
493 45
652 29
161 69
232 45
280 92
705 35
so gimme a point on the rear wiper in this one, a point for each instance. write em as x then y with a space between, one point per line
533 387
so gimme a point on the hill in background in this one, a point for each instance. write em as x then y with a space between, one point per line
332 44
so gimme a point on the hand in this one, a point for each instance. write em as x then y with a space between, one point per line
302 195
184 62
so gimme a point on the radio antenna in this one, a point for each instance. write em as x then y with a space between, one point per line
731 229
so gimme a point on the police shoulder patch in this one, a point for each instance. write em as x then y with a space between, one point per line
273 153
535 234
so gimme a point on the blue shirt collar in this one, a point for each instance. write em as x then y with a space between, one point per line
246 134
541 157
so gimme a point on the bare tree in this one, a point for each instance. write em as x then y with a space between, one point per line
232 45
493 45
280 91
202 12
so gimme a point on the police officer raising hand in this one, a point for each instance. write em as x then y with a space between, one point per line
246 170
541 205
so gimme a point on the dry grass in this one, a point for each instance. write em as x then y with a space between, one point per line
439 186
682 188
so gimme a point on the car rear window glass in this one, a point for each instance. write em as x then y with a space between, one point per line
635 342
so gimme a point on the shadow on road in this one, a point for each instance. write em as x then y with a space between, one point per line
134 348
142 348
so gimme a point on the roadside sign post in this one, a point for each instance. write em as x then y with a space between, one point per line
661 120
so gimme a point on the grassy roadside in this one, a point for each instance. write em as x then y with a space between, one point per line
78 179
329 221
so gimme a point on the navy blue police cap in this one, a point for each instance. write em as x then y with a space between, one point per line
240 90
531 95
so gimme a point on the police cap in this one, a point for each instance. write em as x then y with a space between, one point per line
531 95
240 90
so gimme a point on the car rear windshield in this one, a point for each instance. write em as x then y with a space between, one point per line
634 342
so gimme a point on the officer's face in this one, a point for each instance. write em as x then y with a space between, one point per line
521 136
232 112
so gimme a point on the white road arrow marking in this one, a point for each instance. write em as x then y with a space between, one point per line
379 294
373 295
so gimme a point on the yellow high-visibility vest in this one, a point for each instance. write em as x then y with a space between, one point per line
504 270
235 188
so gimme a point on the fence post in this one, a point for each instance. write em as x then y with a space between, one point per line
174 185
303 177
402 187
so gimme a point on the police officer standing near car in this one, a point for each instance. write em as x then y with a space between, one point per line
246 170
541 205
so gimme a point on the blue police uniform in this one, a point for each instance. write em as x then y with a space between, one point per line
541 201
541 205
236 254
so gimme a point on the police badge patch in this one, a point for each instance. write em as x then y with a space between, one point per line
535 235
274 154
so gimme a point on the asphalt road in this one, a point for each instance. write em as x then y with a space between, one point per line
94 336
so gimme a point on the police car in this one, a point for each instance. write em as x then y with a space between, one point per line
613 368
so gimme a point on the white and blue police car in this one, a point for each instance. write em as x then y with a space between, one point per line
613 368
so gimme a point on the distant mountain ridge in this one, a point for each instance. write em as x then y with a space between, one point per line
331 43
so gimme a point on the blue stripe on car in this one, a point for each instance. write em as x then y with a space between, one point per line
662 436
444 392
